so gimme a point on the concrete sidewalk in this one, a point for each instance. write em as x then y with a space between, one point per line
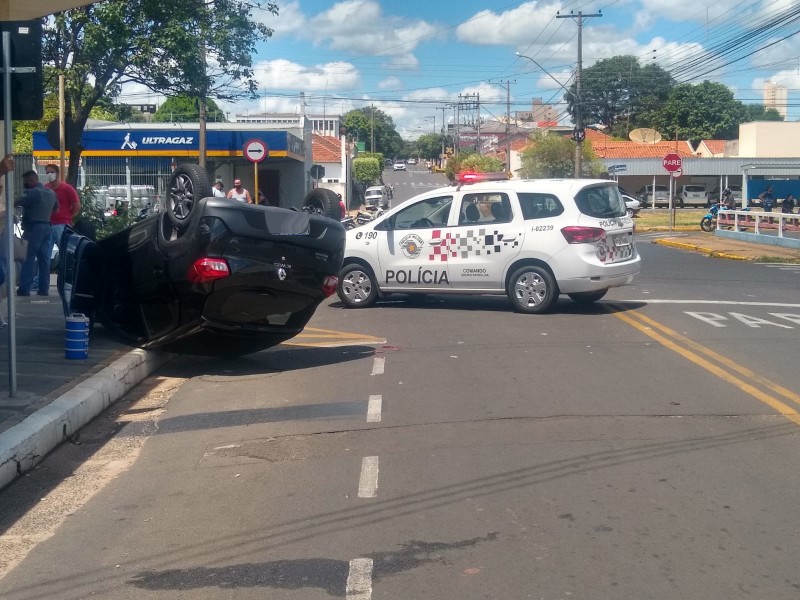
713 245
56 396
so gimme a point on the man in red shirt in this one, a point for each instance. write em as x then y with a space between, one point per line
69 205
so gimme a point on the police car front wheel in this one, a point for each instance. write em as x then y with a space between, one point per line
532 289
357 286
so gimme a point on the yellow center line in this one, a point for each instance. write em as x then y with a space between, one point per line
647 326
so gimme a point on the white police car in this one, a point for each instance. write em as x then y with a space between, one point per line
529 239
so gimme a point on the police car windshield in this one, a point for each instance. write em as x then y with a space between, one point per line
601 201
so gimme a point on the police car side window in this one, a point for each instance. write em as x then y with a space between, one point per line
492 207
428 213
539 206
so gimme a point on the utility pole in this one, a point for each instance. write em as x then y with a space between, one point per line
372 128
579 134
508 125
444 133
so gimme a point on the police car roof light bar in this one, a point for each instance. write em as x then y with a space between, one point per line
473 177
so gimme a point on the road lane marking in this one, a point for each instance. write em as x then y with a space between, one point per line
374 409
368 482
378 365
714 364
359 579
715 302
330 338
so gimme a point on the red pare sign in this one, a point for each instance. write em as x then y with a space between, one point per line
672 162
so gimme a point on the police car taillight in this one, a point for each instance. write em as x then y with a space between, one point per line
473 177
207 269
329 285
583 235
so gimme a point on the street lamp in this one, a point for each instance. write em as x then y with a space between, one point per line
578 133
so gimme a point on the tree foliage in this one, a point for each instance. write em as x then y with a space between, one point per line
706 111
551 155
367 170
430 145
471 162
186 109
362 124
101 46
618 91
759 112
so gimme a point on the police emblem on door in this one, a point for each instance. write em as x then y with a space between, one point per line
411 245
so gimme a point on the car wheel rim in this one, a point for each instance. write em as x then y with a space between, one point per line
357 287
182 197
530 289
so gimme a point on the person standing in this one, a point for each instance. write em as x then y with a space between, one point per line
69 205
38 205
239 193
217 190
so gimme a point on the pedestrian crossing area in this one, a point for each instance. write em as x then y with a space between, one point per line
795 269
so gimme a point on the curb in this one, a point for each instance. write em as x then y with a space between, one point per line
23 446
704 250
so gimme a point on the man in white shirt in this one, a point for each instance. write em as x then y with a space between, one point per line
217 190
239 193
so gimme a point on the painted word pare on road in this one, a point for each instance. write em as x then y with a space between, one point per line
735 318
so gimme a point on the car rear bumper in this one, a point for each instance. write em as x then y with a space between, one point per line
602 277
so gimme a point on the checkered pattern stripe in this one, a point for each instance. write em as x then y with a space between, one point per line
472 242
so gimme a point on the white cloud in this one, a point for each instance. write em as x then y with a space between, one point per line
290 20
358 26
390 83
715 14
402 62
282 74
520 26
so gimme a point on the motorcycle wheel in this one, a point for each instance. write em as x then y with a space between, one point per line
707 224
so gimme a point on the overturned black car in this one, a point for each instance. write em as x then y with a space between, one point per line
208 276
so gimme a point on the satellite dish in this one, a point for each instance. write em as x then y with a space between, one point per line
644 136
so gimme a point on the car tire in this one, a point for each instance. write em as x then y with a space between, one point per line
187 186
532 289
357 287
324 202
587 298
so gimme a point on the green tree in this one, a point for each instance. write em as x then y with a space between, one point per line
551 155
706 111
618 91
469 161
367 170
186 109
759 112
430 145
100 46
365 123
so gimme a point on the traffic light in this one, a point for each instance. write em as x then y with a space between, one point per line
27 96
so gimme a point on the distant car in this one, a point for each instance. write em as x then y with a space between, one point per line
692 194
411 161
645 195
398 166
206 276
376 196
632 205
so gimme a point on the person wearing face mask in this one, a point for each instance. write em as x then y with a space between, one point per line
38 205
69 205
239 193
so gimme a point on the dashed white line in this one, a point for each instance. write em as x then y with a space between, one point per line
359 579
374 409
378 365
368 482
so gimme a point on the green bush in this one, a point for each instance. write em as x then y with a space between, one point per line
94 212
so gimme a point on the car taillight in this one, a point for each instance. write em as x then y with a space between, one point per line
208 269
329 285
583 235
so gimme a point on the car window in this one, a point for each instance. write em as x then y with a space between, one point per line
484 208
694 188
601 201
431 212
539 206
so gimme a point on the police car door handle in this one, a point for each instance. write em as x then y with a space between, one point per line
435 242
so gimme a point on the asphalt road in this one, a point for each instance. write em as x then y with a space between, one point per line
450 449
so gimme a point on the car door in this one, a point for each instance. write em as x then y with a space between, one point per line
485 237
409 242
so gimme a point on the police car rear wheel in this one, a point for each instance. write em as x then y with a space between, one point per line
586 298
532 289
356 287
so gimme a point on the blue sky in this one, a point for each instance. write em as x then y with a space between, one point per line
411 58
